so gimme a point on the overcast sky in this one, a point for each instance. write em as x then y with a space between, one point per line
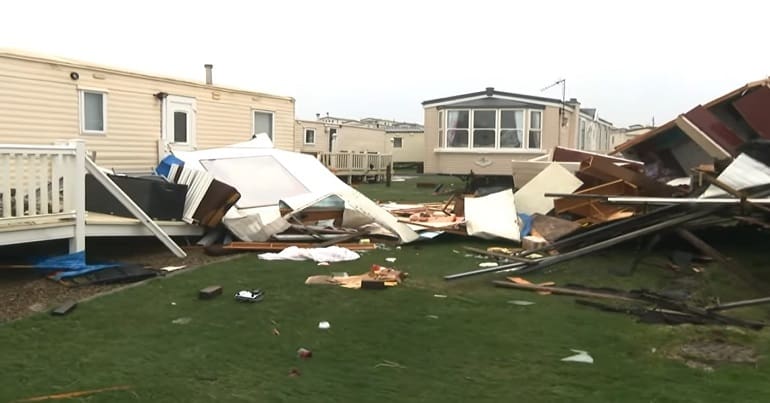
631 60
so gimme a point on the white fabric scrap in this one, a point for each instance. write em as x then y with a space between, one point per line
581 356
328 254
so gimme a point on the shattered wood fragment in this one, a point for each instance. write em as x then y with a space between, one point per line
498 255
552 228
531 242
608 171
738 304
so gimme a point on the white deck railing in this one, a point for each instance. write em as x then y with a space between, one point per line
44 182
355 164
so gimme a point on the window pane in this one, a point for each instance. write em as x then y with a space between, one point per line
534 139
483 138
512 119
397 142
534 120
510 138
484 119
180 127
458 120
309 136
457 138
263 123
93 111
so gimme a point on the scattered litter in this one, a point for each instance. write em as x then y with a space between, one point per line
365 241
172 268
304 353
294 372
255 295
455 251
439 295
323 263
173 303
520 302
390 259
324 325
378 277
65 308
210 292
431 316
181 321
389 364
581 356
276 332
488 264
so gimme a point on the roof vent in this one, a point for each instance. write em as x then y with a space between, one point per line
490 91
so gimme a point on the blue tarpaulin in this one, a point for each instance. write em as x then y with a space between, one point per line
70 265
525 224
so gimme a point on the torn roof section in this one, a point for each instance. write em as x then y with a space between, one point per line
715 130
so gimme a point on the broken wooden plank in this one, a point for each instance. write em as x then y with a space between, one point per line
499 255
608 171
562 291
279 246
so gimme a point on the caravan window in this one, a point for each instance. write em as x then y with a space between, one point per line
309 136
93 111
263 123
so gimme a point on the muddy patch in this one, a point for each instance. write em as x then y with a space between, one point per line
706 355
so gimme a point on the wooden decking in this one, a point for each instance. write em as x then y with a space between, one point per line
350 164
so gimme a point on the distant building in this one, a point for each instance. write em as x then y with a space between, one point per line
620 135
328 134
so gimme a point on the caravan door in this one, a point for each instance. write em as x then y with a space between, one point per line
179 122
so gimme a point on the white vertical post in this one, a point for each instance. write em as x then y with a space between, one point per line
78 243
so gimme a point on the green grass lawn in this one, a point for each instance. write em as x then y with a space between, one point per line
472 345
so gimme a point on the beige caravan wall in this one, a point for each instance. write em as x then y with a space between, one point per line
361 139
321 143
431 141
412 146
39 104
349 138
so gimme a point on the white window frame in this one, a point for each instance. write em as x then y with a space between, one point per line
272 122
447 128
495 129
82 109
529 113
401 142
524 116
304 137
526 123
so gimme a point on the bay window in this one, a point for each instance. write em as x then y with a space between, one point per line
490 128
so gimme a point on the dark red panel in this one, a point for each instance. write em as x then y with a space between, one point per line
714 128
754 107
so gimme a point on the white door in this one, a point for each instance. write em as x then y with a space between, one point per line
179 116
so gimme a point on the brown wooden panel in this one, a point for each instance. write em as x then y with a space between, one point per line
710 124
754 107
